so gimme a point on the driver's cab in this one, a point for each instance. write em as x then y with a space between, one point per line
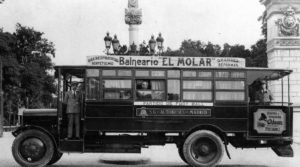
271 116
273 82
71 108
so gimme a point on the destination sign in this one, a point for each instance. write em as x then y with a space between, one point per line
165 61
144 112
170 103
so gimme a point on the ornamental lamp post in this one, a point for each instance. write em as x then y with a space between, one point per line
116 44
133 48
107 40
160 41
152 44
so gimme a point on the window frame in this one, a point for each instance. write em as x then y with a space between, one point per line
198 90
117 77
230 78
103 89
86 84
149 78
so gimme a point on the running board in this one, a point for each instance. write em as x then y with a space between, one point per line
284 151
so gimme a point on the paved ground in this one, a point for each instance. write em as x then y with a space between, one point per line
160 156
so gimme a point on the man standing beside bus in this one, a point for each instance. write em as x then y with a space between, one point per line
263 95
72 100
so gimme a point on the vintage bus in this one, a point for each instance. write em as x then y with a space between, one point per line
201 104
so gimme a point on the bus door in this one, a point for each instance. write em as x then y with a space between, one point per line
108 101
71 110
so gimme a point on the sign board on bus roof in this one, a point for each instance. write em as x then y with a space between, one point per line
165 61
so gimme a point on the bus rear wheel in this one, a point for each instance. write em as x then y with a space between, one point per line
203 148
33 148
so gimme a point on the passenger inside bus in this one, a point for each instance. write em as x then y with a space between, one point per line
263 95
143 90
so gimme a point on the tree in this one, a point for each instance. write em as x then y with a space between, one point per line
259 49
258 54
32 52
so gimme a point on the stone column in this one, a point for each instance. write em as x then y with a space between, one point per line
283 44
133 17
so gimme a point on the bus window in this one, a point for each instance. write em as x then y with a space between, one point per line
173 90
230 96
108 72
222 74
230 85
92 73
157 73
204 74
230 90
93 84
173 74
93 89
150 89
117 89
189 74
141 73
196 84
126 73
197 90
237 74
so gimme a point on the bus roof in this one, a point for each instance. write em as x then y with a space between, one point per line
253 73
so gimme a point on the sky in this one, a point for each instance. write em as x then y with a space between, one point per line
78 27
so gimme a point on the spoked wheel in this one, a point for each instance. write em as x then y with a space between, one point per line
180 152
56 157
203 148
33 148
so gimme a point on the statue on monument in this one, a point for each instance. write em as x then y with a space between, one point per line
133 3
133 15
289 24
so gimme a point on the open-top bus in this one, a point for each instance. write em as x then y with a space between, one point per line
201 104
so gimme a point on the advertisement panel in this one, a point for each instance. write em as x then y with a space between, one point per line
269 121
165 61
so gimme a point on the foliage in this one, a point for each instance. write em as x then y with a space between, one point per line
33 53
26 65
258 54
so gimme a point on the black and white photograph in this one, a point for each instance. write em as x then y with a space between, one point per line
149 83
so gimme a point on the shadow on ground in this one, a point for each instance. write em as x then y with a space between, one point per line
147 163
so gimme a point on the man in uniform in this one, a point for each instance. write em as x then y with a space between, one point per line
72 100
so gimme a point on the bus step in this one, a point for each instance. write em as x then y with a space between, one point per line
71 145
284 151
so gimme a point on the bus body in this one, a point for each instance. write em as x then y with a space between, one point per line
201 105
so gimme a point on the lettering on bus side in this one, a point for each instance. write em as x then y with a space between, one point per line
192 62
143 112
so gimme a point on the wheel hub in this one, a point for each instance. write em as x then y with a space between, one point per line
204 150
32 149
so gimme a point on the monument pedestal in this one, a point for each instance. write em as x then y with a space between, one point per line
283 45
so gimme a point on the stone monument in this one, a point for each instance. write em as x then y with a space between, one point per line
133 17
283 44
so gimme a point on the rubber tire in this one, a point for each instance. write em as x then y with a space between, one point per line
56 157
192 138
180 152
40 135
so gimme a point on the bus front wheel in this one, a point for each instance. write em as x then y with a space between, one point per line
56 157
33 148
203 148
